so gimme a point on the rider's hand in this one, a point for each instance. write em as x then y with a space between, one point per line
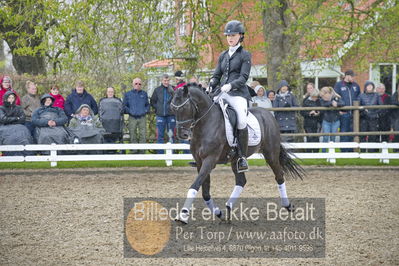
226 87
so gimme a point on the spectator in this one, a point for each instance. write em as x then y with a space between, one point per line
30 102
331 121
271 95
77 98
12 128
384 121
251 88
349 91
59 100
110 111
286 119
261 100
395 115
309 88
137 106
165 120
49 122
194 80
179 76
312 119
86 126
369 118
6 85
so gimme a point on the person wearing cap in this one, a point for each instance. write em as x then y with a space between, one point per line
261 100
349 91
137 107
165 120
229 79
369 118
286 119
78 97
6 85
30 102
179 76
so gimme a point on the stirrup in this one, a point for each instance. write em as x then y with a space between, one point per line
244 165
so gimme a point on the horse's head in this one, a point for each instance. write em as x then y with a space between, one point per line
186 105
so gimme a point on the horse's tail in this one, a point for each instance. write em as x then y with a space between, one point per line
289 165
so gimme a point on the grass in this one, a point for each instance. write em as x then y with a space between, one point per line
184 163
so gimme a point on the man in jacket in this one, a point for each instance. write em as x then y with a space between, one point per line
78 97
137 106
30 102
349 91
160 101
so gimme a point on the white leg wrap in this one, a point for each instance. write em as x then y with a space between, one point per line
185 211
283 195
211 205
234 196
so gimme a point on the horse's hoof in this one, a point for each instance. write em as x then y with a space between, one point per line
228 214
290 208
220 215
182 217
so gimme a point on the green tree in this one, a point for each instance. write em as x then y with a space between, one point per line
307 30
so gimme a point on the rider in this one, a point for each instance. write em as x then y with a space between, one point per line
230 75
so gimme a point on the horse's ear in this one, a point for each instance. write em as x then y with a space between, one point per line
185 89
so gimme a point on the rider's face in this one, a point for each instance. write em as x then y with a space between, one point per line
233 39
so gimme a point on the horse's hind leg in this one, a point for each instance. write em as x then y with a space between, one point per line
274 162
238 188
206 195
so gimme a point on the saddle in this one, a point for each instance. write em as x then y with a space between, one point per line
230 121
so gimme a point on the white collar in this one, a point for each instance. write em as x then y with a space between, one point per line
233 49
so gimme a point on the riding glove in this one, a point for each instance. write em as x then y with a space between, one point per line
226 87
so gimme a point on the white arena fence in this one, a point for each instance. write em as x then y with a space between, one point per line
384 155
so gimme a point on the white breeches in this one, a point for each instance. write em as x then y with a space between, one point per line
239 104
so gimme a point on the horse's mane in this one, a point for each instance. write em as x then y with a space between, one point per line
197 91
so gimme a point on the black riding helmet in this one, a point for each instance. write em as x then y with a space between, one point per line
234 27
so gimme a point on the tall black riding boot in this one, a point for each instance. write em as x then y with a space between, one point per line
242 164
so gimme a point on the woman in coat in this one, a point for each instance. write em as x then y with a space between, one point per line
286 119
49 122
12 128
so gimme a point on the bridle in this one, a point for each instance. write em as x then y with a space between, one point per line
193 121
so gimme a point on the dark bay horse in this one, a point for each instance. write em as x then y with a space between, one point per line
201 120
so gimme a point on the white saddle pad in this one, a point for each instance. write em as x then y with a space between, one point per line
254 133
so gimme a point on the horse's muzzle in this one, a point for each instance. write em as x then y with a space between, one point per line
183 133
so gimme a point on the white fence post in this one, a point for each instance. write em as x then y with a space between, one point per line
384 152
331 151
168 152
53 156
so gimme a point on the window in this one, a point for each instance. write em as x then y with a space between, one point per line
327 82
389 76
262 81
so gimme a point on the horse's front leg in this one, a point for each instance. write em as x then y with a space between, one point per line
206 167
206 195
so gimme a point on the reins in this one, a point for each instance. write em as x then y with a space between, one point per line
195 121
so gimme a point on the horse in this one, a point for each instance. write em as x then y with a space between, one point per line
200 120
